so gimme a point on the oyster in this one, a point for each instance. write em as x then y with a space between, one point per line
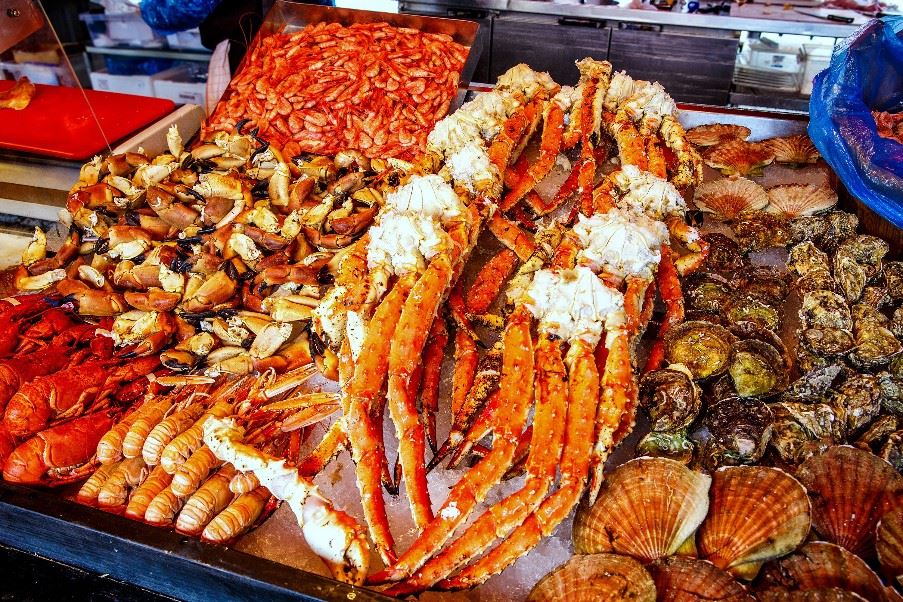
850 491
811 386
648 508
725 257
757 513
749 330
877 433
740 157
759 231
794 150
816 280
892 388
795 200
857 260
888 544
850 276
802 430
716 133
735 431
825 309
681 579
876 296
896 322
864 314
857 401
807 360
729 197
809 227
892 450
805 257
757 369
764 283
707 292
673 445
703 347
818 566
747 308
595 577
826 342
893 277
840 225
875 344
670 397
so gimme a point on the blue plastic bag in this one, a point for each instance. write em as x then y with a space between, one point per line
170 16
866 74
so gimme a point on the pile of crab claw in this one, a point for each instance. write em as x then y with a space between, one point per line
231 261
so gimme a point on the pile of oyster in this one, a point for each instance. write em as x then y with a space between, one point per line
661 531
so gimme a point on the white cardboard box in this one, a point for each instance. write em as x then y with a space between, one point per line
178 85
141 85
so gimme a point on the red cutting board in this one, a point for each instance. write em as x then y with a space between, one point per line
58 122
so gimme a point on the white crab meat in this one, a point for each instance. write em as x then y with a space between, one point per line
621 244
150 175
451 134
356 331
521 78
620 88
646 193
174 140
652 103
330 316
470 167
403 242
574 304
244 247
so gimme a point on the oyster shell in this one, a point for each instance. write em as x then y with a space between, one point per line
807 360
892 388
793 150
875 344
889 544
893 277
809 227
757 513
811 386
816 280
850 491
746 308
648 508
757 369
595 577
805 257
826 342
877 433
763 283
725 257
840 226
896 322
707 292
892 450
734 431
850 276
876 296
675 446
819 565
825 309
802 430
716 133
703 347
857 401
729 197
795 200
681 579
759 231
857 260
740 157
670 397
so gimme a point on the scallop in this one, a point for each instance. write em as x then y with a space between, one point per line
648 508
729 197
827 594
820 565
740 157
716 133
758 513
795 200
595 578
850 490
889 544
793 150
681 579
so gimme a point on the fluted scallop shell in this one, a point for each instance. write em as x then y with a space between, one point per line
682 579
740 157
757 513
716 133
819 565
889 544
648 508
850 490
828 594
794 200
793 150
729 197
595 578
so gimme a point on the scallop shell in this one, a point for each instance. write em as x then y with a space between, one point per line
794 200
828 594
716 133
889 544
850 490
793 150
757 513
819 565
729 197
681 579
595 577
648 508
740 157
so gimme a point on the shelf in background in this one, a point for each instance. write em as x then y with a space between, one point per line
159 53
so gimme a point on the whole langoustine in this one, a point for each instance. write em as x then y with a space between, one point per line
60 454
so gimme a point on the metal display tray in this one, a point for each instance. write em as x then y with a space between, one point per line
46 523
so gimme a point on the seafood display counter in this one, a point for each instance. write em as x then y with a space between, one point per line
560 342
